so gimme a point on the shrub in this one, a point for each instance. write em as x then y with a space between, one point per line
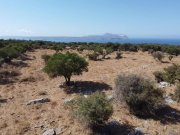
8 53
142 98
170 57
170 74
177 93
94 56
45 57
57 48
158 55
65 65
159 76
106 52
118 55
150 51
94 110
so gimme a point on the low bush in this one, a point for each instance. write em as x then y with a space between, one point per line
8 53
94 110
106 52
177 93
142 98
94 56
159 76
118 55
158 55
170 74
45 57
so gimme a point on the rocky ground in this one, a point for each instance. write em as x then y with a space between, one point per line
20 117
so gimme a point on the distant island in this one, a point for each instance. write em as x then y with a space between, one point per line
104 38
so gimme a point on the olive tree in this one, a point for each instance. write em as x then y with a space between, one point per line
66 65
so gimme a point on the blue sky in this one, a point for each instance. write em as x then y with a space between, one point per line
135 18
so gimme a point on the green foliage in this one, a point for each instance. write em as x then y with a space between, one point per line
94 56
97 47
170 74
45 57
8 53
142 98
177 93
94 110
57 48
65 65
159 76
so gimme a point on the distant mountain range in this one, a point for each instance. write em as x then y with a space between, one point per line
108 37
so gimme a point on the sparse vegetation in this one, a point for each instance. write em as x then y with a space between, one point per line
170 74
45 57
142 98
94 110
94 56
177 93
65 65
118 55
170 57
158 55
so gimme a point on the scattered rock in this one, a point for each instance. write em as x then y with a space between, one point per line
56 131
144 66
169 100
163 84
110 97
49 132
40 100
85 96
68 100
137 131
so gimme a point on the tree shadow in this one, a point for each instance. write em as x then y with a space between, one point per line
3 100
18 63
8 77
86 87
113 128
165 61
166 115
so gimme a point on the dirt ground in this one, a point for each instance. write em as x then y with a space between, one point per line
17 118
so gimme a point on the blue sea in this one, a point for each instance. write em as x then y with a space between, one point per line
101 40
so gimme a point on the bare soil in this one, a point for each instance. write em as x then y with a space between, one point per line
16 118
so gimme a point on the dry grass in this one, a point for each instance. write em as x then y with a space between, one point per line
34 119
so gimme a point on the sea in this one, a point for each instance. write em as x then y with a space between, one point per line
102 40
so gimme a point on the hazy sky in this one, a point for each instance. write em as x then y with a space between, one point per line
135 18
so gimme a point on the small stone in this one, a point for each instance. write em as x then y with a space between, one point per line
49 132
163 84
41 100
85 96
68 100
58 131
137 131
169 100
110 97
